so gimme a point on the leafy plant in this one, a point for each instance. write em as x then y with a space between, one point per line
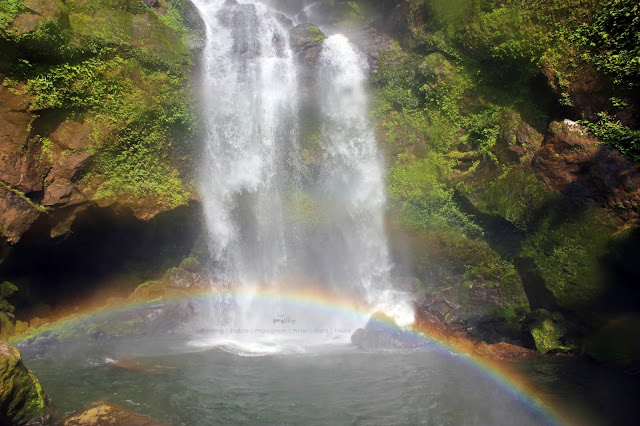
615 135
9 9
612 41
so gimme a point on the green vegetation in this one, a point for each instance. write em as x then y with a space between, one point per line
149 290
191 264
316 35
615 135
567 251
611 41
304 209
132 86
21 395
426 200
9 9
518 196
456 102
548 331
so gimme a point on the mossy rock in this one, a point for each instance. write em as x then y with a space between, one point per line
149 290
517 196
548 330
6 326
191 264
21 326
104 413
567 248
22 399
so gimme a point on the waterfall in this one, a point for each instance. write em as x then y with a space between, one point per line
292 182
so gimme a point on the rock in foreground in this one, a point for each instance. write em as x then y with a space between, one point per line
381 332
22 399
103 413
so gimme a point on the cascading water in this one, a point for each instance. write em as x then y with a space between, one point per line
292 198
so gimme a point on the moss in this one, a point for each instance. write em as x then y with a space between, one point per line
518 196
567 248
149 290
548 331
125 70
450 260
317 36
21 395
21 326
191 264
501 322
38 207
9 9
427 201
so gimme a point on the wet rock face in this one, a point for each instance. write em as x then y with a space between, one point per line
381 332
372 42
306 43
18 172
22 399
242 20
195 24
576 166
103 413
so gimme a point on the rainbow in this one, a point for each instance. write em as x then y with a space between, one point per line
319 301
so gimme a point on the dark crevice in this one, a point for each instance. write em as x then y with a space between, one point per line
105 248
35 196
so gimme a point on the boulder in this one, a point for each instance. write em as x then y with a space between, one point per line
381 332
102 413
547 330
579 168
191 264
16 215
518 141
306 43
36 12
506 352
22 399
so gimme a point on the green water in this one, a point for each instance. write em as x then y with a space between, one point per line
330 384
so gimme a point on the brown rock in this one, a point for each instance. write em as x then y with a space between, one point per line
72 134
506 352
65 218
589 91
579 168
102 413
20 167
16 215
61 190
139 365
36 12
